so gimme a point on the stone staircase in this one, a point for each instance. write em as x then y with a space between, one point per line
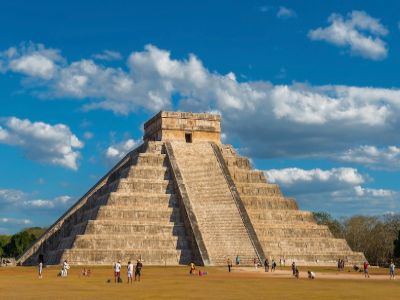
284 231
136 214
219 222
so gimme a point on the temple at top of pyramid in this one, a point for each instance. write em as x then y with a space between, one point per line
183 196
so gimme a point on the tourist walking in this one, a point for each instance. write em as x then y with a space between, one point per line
366 266
130 272
229 262
294 268
392 267
273 267
40 269
138 269
255 263
237 260
266 265
117 271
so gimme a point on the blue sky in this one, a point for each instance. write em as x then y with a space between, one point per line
308 90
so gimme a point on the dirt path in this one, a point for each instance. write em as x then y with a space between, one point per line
319 275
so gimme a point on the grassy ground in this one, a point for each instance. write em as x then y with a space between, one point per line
175 283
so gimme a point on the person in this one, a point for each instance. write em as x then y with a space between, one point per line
294 268
65 268
138 269
117 271
280 263
266 265
297 273
391 269
237 260
255 263
339 264
40 269
273 267
311 274
84 272
192 268
229 262
130 271
366 266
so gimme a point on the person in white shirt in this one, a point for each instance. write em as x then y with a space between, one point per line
65 269
40 269
130 271
117 271
311 275
392 267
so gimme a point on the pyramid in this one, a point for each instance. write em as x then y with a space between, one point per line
183 196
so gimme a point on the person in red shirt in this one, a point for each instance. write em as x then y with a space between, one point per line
366 265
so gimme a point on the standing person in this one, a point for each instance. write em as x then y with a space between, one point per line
229 262
255 263
65 268
130 271
237 260
117 271
280 263
138 269
293 268
366 266
391 269
296 273
266 265
273 267
40 269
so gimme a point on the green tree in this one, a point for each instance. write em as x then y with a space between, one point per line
396 249
323 218
18 243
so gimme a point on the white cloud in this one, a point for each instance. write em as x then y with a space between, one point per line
88 135
338 191
285 13
15 221
298 120
54 144
377 158
47 204
358 31
31 59
108 55
299 179
10 196
119 150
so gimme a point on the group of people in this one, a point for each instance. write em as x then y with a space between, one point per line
129 267
266 265
340 264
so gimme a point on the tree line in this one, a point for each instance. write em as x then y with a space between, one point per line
378 237
15 245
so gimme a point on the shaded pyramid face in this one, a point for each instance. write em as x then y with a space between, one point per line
186 198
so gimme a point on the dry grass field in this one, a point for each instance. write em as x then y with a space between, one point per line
176 283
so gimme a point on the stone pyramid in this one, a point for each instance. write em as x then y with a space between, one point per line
183 196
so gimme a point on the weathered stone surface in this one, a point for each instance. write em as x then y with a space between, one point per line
176 199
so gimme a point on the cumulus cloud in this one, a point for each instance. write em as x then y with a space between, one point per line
387 158
15 221
119 150
338 190
285 13
20 199
10 196
108 55
300 180
53 144
321 121
31 59
47 204
358 31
